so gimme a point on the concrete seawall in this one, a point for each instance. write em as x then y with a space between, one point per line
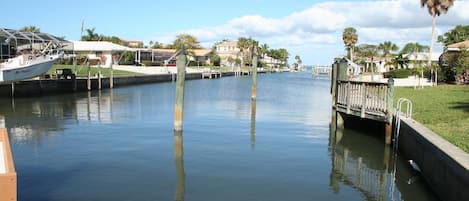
444 166
44 87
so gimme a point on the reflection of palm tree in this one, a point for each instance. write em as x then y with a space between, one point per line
179 162
435 8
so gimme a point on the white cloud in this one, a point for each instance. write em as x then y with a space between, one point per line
322 24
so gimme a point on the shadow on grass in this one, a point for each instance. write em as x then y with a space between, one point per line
461 106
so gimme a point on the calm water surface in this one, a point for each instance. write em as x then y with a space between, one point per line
120 145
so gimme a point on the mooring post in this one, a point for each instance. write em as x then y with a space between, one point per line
335 67
253 123
99 77
340 121
254 78
88 81
179 163
389 111
181 76
111 77
74 78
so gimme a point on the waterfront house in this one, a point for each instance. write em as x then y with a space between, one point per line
421 58
160 56
229 51
102 51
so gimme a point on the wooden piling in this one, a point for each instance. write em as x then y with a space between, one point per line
389 111
254 78
111 77
253 122
99 77
179 163
88 81
179 105
76 73
13 89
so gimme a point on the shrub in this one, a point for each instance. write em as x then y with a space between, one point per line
152 63
398 73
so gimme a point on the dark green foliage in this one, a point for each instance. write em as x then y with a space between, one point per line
398 73
458 34
128 58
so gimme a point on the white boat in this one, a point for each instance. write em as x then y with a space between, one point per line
27 54
26 66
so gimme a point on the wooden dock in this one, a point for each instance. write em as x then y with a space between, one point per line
367 100
8 180
324 71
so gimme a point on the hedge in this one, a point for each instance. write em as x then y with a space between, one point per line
398 73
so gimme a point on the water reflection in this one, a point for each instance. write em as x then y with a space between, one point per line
253 123
31 119
179 162
361 160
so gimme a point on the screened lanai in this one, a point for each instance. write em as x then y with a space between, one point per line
13 42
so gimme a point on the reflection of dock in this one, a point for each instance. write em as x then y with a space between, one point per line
354 166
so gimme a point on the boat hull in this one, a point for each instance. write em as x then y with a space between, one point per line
9 75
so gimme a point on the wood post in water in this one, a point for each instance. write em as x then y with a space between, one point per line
253 123
76 73
99 77
88 81
181 76
389 111
179 163
13 89
111 77
254 78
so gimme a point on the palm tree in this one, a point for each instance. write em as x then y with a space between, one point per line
263 49
435 8
369 51
350 38
284 55
386 48
32 29
400 61
414 48
90 35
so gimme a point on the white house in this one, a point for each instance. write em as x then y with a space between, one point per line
100 50
420 58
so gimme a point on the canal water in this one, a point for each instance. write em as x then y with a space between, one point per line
120 145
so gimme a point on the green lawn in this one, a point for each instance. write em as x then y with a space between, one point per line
443 109
83 71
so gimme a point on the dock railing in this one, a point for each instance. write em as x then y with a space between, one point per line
372 100
8 179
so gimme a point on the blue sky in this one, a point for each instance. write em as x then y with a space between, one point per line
311 29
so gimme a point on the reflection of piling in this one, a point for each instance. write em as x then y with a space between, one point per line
12 89
88 81
253 122
181 76
179 162
254 78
